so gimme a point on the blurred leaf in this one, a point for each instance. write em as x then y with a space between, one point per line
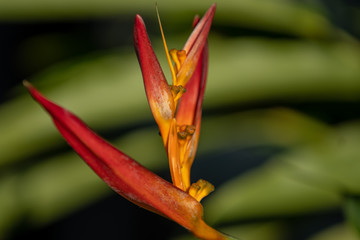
10 210
106 91
48 189
263 193
352 211
256 231
263 231
44 191
100 90
275 127
254 70
333 161
276 15
335 233
307 178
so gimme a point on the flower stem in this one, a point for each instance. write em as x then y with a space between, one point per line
205 232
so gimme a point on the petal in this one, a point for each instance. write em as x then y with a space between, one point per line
199 26
174 158
189 108
156 87
120 172
195 45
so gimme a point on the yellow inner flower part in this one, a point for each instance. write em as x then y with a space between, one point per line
201 189
173 73
181 139
178 56
177 92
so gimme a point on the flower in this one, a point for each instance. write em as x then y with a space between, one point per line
179 126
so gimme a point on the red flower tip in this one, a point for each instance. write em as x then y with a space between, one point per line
157 89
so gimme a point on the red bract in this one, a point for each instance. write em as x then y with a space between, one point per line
156 87
120 172
127 177
179 123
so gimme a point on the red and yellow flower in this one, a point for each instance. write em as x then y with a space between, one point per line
178 114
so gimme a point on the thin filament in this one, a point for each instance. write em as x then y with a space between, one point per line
173 73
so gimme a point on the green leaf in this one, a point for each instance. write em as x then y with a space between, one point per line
112 94
255 231
307 178
352 211
339 231
278 16
265 193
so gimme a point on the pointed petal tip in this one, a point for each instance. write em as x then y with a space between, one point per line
138 18
157 89
139 32
195 44
26 83
212 9
32 90
139 23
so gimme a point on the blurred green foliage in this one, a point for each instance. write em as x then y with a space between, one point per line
266 58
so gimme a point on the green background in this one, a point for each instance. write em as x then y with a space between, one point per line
280 134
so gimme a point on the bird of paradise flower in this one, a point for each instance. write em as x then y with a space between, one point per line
177 111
